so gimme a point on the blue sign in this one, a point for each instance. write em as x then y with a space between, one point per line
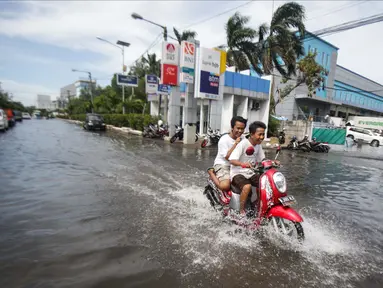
127 80
163 89
152 79
209 85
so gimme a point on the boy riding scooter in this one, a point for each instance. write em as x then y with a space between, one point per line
244 157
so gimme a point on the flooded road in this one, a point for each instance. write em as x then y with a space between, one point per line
82 209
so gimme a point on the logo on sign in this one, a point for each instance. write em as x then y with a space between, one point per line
189 48
170 48
171 71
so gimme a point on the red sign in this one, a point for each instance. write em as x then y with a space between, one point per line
170 48
169 74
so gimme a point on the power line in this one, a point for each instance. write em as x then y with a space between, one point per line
217 15
343 7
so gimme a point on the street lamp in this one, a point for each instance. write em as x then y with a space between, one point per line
90 79
121 47
139 17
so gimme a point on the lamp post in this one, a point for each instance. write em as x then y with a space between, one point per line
90 79
139 17
120 45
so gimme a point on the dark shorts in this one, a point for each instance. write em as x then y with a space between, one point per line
239 181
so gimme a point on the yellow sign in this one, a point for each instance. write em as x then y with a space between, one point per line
223 61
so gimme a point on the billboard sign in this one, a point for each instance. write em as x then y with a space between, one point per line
170 53
210 60
169 74
209 85
151 84
127 80
209 75
187 62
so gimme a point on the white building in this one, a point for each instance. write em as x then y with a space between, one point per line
44 102
241 95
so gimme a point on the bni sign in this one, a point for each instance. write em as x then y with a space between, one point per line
187 62
127 80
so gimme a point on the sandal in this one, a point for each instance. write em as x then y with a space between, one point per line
210 168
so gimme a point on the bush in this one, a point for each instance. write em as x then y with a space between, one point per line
134 121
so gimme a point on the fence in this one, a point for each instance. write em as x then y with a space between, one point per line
331 136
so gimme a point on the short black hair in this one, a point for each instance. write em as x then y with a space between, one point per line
255 125
237 119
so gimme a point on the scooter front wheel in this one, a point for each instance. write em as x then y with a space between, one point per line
288 228
204 143
173 139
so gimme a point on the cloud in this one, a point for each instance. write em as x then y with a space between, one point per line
26 93
74 25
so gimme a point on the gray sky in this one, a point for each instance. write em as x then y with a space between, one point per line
42 41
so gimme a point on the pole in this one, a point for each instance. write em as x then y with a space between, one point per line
123 88
201 120
166 96
90 89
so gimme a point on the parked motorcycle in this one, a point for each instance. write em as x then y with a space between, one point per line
319 147
268 204
156 131
303 145
282 137
212 137
180 134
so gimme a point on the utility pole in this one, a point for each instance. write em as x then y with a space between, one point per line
91 88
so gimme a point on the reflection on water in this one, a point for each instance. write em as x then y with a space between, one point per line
81 209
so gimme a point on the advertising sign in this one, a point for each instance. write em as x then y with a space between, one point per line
169 74
127 80
151 84
210 60
187 62
223 61
163 89
210 71
170 53
209 85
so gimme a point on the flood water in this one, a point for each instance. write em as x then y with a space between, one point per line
83 209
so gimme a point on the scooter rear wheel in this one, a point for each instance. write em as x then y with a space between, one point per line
287 227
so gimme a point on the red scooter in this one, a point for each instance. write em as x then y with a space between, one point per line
267 204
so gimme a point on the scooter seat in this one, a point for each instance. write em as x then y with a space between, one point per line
235 190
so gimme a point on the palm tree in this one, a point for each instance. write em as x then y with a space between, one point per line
279 42
153 66
185 36
238 39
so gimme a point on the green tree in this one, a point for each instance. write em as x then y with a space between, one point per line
310 73
185 35
152 65
279 44
239 39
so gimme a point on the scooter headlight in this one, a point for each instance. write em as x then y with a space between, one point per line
280 182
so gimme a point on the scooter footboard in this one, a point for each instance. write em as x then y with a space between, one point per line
284 212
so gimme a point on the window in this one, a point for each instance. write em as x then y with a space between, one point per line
326 60
309 49
322 57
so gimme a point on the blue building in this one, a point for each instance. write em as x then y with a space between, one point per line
346 93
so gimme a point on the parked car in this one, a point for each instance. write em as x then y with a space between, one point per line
3 121
10 116
18 116
367 136
26 115
94 122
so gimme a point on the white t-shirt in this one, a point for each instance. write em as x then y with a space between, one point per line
239 153
224 145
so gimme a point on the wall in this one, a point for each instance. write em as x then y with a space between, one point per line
298 128
331 136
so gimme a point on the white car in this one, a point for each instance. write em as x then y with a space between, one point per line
366 135
26 115
3 120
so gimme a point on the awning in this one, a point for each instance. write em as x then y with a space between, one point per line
280 118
